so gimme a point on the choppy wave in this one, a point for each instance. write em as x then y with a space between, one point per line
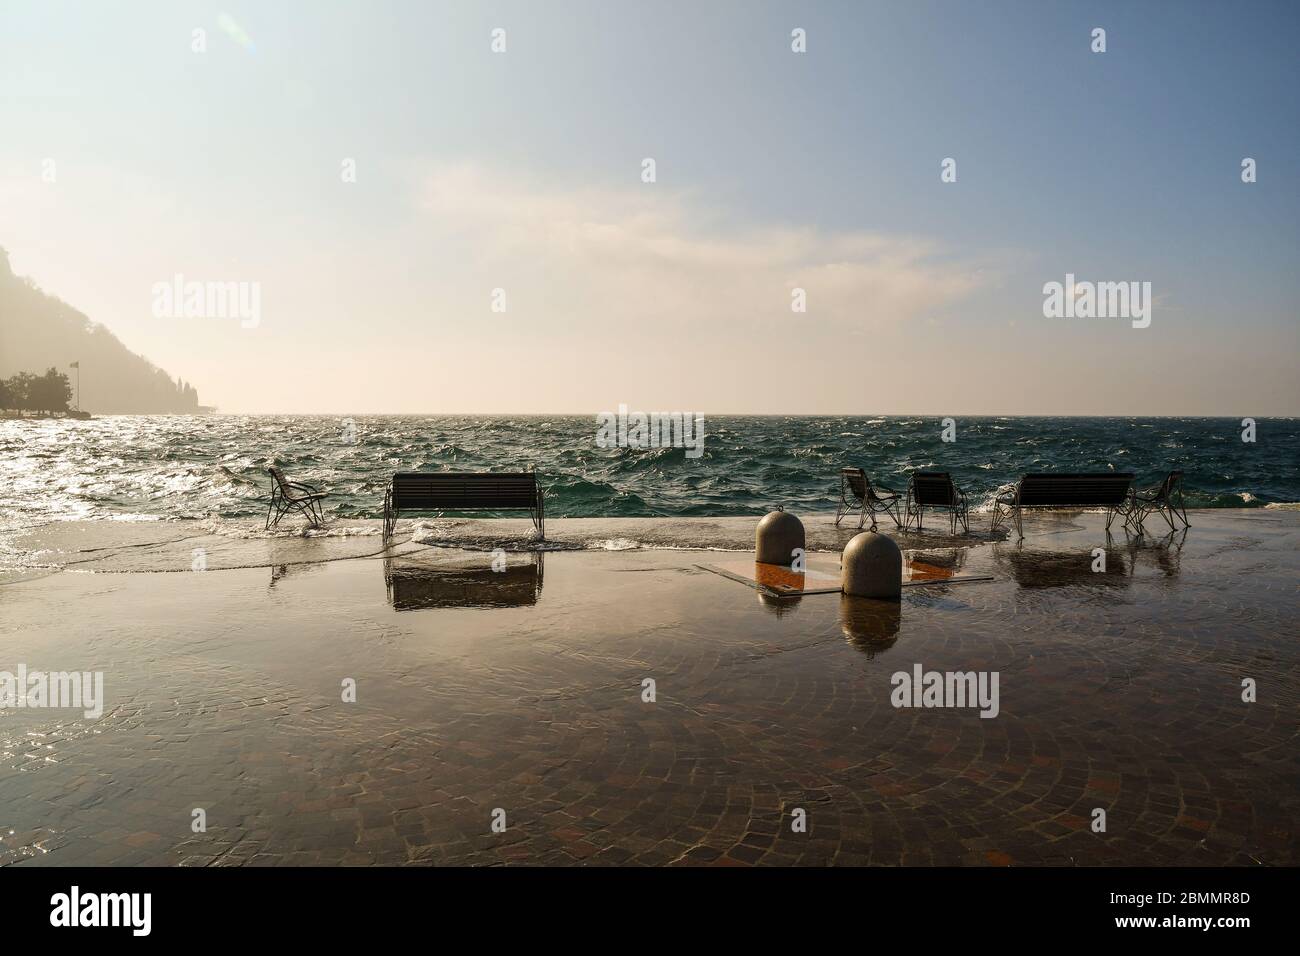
164 467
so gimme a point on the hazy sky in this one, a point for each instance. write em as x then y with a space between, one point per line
522 171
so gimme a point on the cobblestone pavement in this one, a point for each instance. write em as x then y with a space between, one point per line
1119 690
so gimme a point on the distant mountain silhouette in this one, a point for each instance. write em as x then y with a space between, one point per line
38 331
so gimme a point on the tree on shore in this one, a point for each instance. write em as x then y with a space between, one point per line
51 392
16 389
47 393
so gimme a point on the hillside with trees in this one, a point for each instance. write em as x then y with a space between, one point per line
39 331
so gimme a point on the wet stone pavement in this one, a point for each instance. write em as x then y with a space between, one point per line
522 691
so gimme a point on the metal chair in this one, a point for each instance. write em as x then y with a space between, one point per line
289 496
937 491
1165 497
867 499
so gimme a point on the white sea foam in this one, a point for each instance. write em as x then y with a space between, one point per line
615 544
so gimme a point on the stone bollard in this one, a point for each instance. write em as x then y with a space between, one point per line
778 534
872 566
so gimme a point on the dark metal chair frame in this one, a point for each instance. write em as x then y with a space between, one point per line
1165 497
289 496
867 499
937 491
1109 490
442 491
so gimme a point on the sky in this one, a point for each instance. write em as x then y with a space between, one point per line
131 152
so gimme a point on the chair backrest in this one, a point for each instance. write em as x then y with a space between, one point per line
933 488
856 480
1107 489
280 480
464 490
1172 481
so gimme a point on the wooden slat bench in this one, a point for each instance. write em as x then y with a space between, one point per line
1109 490
464 491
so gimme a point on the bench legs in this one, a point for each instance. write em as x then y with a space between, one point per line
390 516
539 514
1011 513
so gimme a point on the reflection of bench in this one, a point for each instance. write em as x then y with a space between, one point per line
289 496
412 586
1106 490
1052 569
464 491
866 498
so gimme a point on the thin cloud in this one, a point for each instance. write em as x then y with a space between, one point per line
653 254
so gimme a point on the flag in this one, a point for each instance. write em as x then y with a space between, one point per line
75 365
